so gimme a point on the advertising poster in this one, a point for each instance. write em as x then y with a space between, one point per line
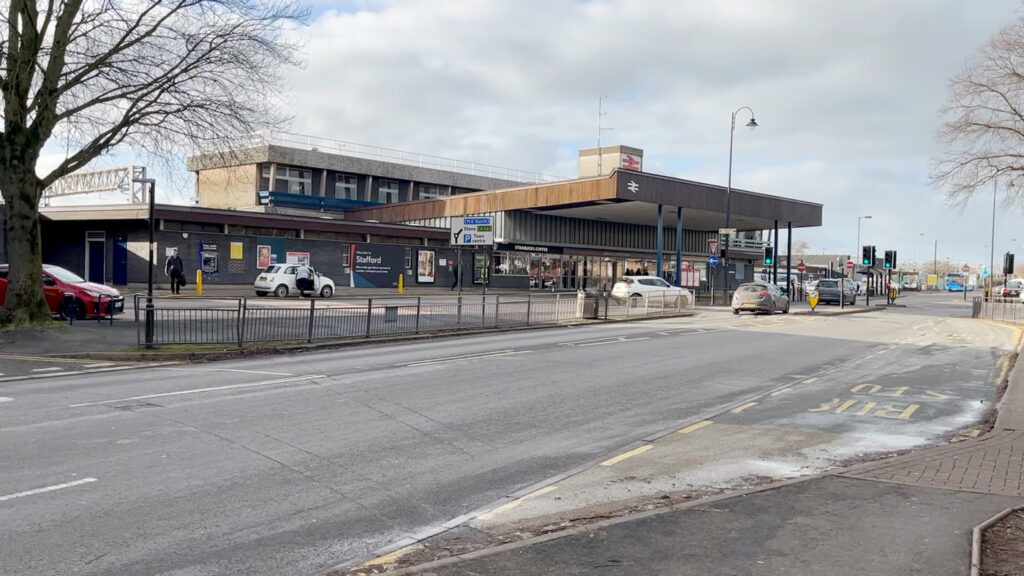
297 258
425 268
262 256
375 265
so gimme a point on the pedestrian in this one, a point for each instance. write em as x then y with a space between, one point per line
176 270
455 277
303 279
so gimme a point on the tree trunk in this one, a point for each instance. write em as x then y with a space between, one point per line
25 304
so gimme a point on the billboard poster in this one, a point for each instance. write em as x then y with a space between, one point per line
262 256
376 265
297 258
425 268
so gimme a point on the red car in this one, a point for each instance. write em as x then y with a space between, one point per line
90 299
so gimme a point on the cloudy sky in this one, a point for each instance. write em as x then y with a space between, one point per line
847 95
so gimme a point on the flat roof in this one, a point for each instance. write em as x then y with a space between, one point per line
622 196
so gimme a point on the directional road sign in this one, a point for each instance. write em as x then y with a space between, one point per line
712 261
472 231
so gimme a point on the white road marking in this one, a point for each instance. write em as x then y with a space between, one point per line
616 341
6 399
100 365
83 372
230 370
46 489
50 369
466 357
202 390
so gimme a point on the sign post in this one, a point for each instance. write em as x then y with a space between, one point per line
470 231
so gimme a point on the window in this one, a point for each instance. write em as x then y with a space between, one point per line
291 180
345 187
428 192
387 192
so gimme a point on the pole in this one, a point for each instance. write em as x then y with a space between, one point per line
775 261
150 312
458 269
789 258
679 246
992 248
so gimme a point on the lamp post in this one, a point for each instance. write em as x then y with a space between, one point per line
920 267
728 190
859 218
150 313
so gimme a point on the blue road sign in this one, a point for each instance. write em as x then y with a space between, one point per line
984 273
712 261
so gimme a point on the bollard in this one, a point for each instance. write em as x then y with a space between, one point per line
199 282
401 283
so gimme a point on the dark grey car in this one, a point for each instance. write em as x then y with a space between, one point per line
759 297
828 291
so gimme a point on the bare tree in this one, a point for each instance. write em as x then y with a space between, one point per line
153 75
983 134
801 247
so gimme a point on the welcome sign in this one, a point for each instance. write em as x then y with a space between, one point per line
376 265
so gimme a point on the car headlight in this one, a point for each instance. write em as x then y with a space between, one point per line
94 294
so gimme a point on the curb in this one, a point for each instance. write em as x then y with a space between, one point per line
977 534
837 312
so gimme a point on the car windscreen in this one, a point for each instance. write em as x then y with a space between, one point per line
751 288
827 284
66 276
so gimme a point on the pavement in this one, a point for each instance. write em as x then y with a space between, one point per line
907 514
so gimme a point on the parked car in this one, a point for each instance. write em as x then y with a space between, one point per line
88 299
279 280
759 297
829 291
1013 287
652 287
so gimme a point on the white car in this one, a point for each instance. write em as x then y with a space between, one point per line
279 280
652 287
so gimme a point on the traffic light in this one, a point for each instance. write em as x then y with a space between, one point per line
1008 263
890 259
768 255
874 256
865 255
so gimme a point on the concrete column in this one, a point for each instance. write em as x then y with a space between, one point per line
273 176
323 183
369 189
679 246
661 240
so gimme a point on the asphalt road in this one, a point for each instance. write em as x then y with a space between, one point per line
294 464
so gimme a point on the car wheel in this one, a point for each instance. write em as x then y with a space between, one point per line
261 293
64 313
786 309
281 291
326 292
736 311
771 308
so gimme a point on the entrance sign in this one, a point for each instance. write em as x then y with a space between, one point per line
472 231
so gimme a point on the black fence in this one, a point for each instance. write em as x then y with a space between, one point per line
244 321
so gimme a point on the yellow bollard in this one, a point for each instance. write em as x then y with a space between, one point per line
199 282
401 283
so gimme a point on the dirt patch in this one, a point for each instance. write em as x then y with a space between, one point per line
1002 547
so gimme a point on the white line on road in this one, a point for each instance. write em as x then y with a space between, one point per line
467 357
46 489
6 399
82 372
230 370
50 369
100 365
616 341
202 390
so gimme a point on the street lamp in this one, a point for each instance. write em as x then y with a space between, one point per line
728 190
920 267
859 218
150 313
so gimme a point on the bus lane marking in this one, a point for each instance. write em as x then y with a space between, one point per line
46 489
739 409
635 452
695 427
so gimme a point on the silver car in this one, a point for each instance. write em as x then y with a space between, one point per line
759 297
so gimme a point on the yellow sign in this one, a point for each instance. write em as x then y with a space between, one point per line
812 299
236 250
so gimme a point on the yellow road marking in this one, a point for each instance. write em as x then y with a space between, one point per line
811 380
630 454
389 558
510 505
777 392
694 427
739 409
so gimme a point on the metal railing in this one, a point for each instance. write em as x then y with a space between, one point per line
1001 309
332 146
242 321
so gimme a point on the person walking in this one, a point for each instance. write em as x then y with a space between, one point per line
455 277
176 270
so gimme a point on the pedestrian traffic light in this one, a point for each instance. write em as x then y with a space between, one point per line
1008 263
865 255
768 255
888 259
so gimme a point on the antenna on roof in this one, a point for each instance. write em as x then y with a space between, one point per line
600 114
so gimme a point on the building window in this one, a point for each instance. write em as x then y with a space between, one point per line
428 192
387 192
345 187
291 180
